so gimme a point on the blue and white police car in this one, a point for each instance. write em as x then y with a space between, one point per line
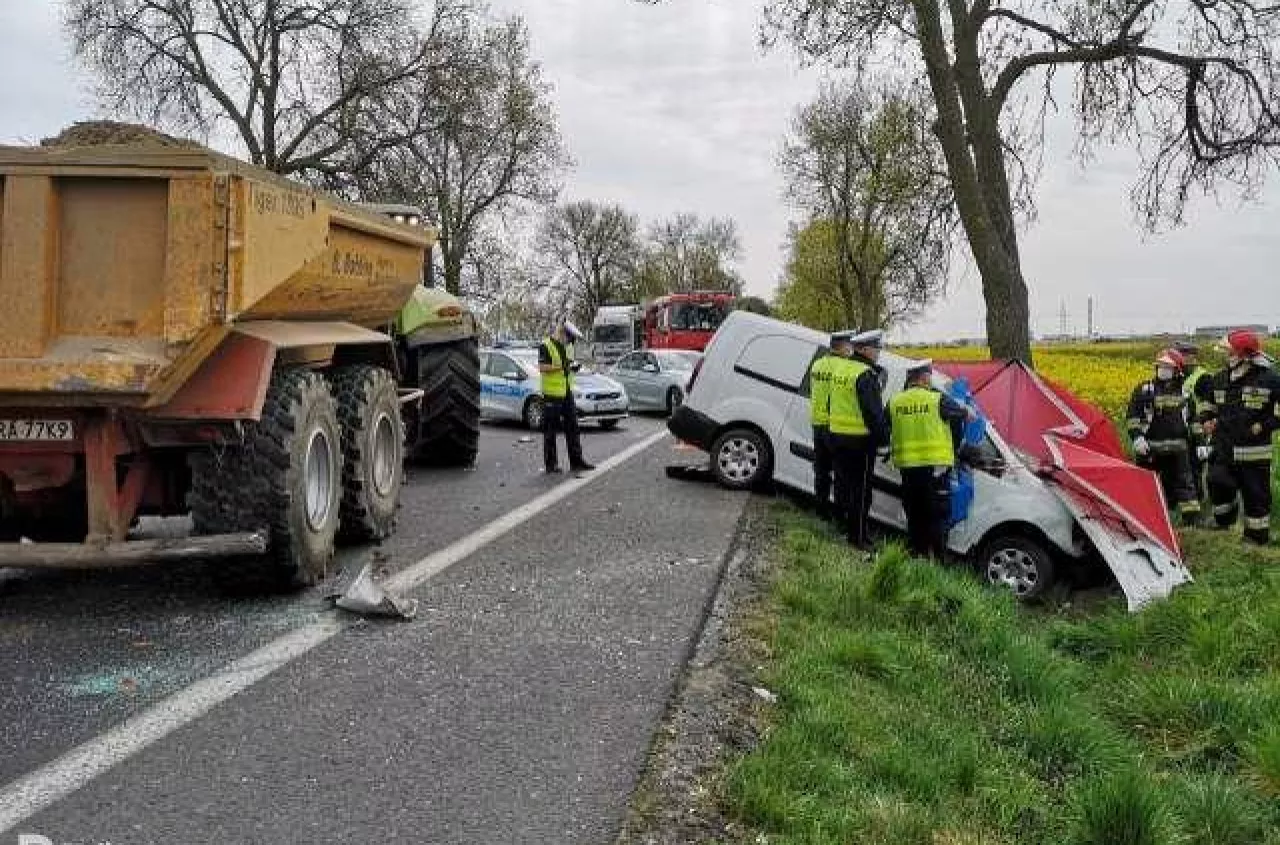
510 386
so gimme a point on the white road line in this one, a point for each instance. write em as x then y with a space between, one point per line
72 771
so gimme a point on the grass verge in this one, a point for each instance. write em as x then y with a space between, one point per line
917 706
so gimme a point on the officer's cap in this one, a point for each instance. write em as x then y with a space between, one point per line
572 331
916 368
873 338
845 336
1186 347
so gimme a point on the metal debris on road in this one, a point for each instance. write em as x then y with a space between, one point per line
686 472
365 596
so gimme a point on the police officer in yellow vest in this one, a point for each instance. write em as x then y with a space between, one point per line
925 427
857 429
557 366
820 414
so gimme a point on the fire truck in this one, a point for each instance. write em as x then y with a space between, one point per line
674 321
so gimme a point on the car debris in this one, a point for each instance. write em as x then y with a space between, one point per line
364 596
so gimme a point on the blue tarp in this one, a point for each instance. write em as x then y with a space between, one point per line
975 431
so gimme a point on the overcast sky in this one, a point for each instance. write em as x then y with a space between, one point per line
675 108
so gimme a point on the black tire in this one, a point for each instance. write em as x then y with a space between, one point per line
263 484
675 398
609 425
449 429
741 459
1017 563
372 451
534 411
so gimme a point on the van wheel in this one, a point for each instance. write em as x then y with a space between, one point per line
741 459
1017 563
674 400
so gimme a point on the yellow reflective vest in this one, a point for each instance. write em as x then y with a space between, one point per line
846 413
919 436
556 385
820 391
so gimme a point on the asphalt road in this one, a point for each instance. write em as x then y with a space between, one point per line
517 707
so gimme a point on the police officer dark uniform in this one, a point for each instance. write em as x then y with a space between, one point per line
857 429
1240 418
924 428
820 415
1159 426
1196 387
560 412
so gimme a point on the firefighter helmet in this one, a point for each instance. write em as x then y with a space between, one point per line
1171 358
1243 343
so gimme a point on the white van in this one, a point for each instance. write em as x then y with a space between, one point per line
748 407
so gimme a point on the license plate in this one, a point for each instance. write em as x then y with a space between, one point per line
36 430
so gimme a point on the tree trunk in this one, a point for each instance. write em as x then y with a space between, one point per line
981 187
452 259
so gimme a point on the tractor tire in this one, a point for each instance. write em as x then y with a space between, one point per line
372 452
285 478
449 430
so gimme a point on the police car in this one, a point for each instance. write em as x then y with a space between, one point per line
510 389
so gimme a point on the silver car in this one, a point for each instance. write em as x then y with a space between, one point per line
656 379
510 389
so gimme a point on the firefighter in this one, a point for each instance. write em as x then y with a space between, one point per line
1239 419
557 366
1196 387
819 415
857 429
1160 429
924 428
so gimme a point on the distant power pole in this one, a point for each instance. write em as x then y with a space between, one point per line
1062 319
1090 334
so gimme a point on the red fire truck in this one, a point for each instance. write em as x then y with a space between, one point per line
685 320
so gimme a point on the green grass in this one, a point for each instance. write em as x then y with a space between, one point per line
917 706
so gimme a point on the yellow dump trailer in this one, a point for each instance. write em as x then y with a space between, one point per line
182 332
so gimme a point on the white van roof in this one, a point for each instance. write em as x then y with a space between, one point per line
753 323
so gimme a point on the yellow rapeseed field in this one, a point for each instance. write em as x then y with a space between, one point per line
1102 373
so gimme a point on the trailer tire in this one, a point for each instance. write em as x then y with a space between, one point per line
286 478
449 427
372 451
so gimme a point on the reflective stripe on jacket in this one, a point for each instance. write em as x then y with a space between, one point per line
918 434
846 412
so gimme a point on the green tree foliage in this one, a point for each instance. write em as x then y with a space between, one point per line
811 294
861 165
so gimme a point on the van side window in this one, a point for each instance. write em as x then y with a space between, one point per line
777 360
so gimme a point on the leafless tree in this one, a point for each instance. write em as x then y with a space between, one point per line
297 81
861 159
1191 83
687 253
594 247
494 146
